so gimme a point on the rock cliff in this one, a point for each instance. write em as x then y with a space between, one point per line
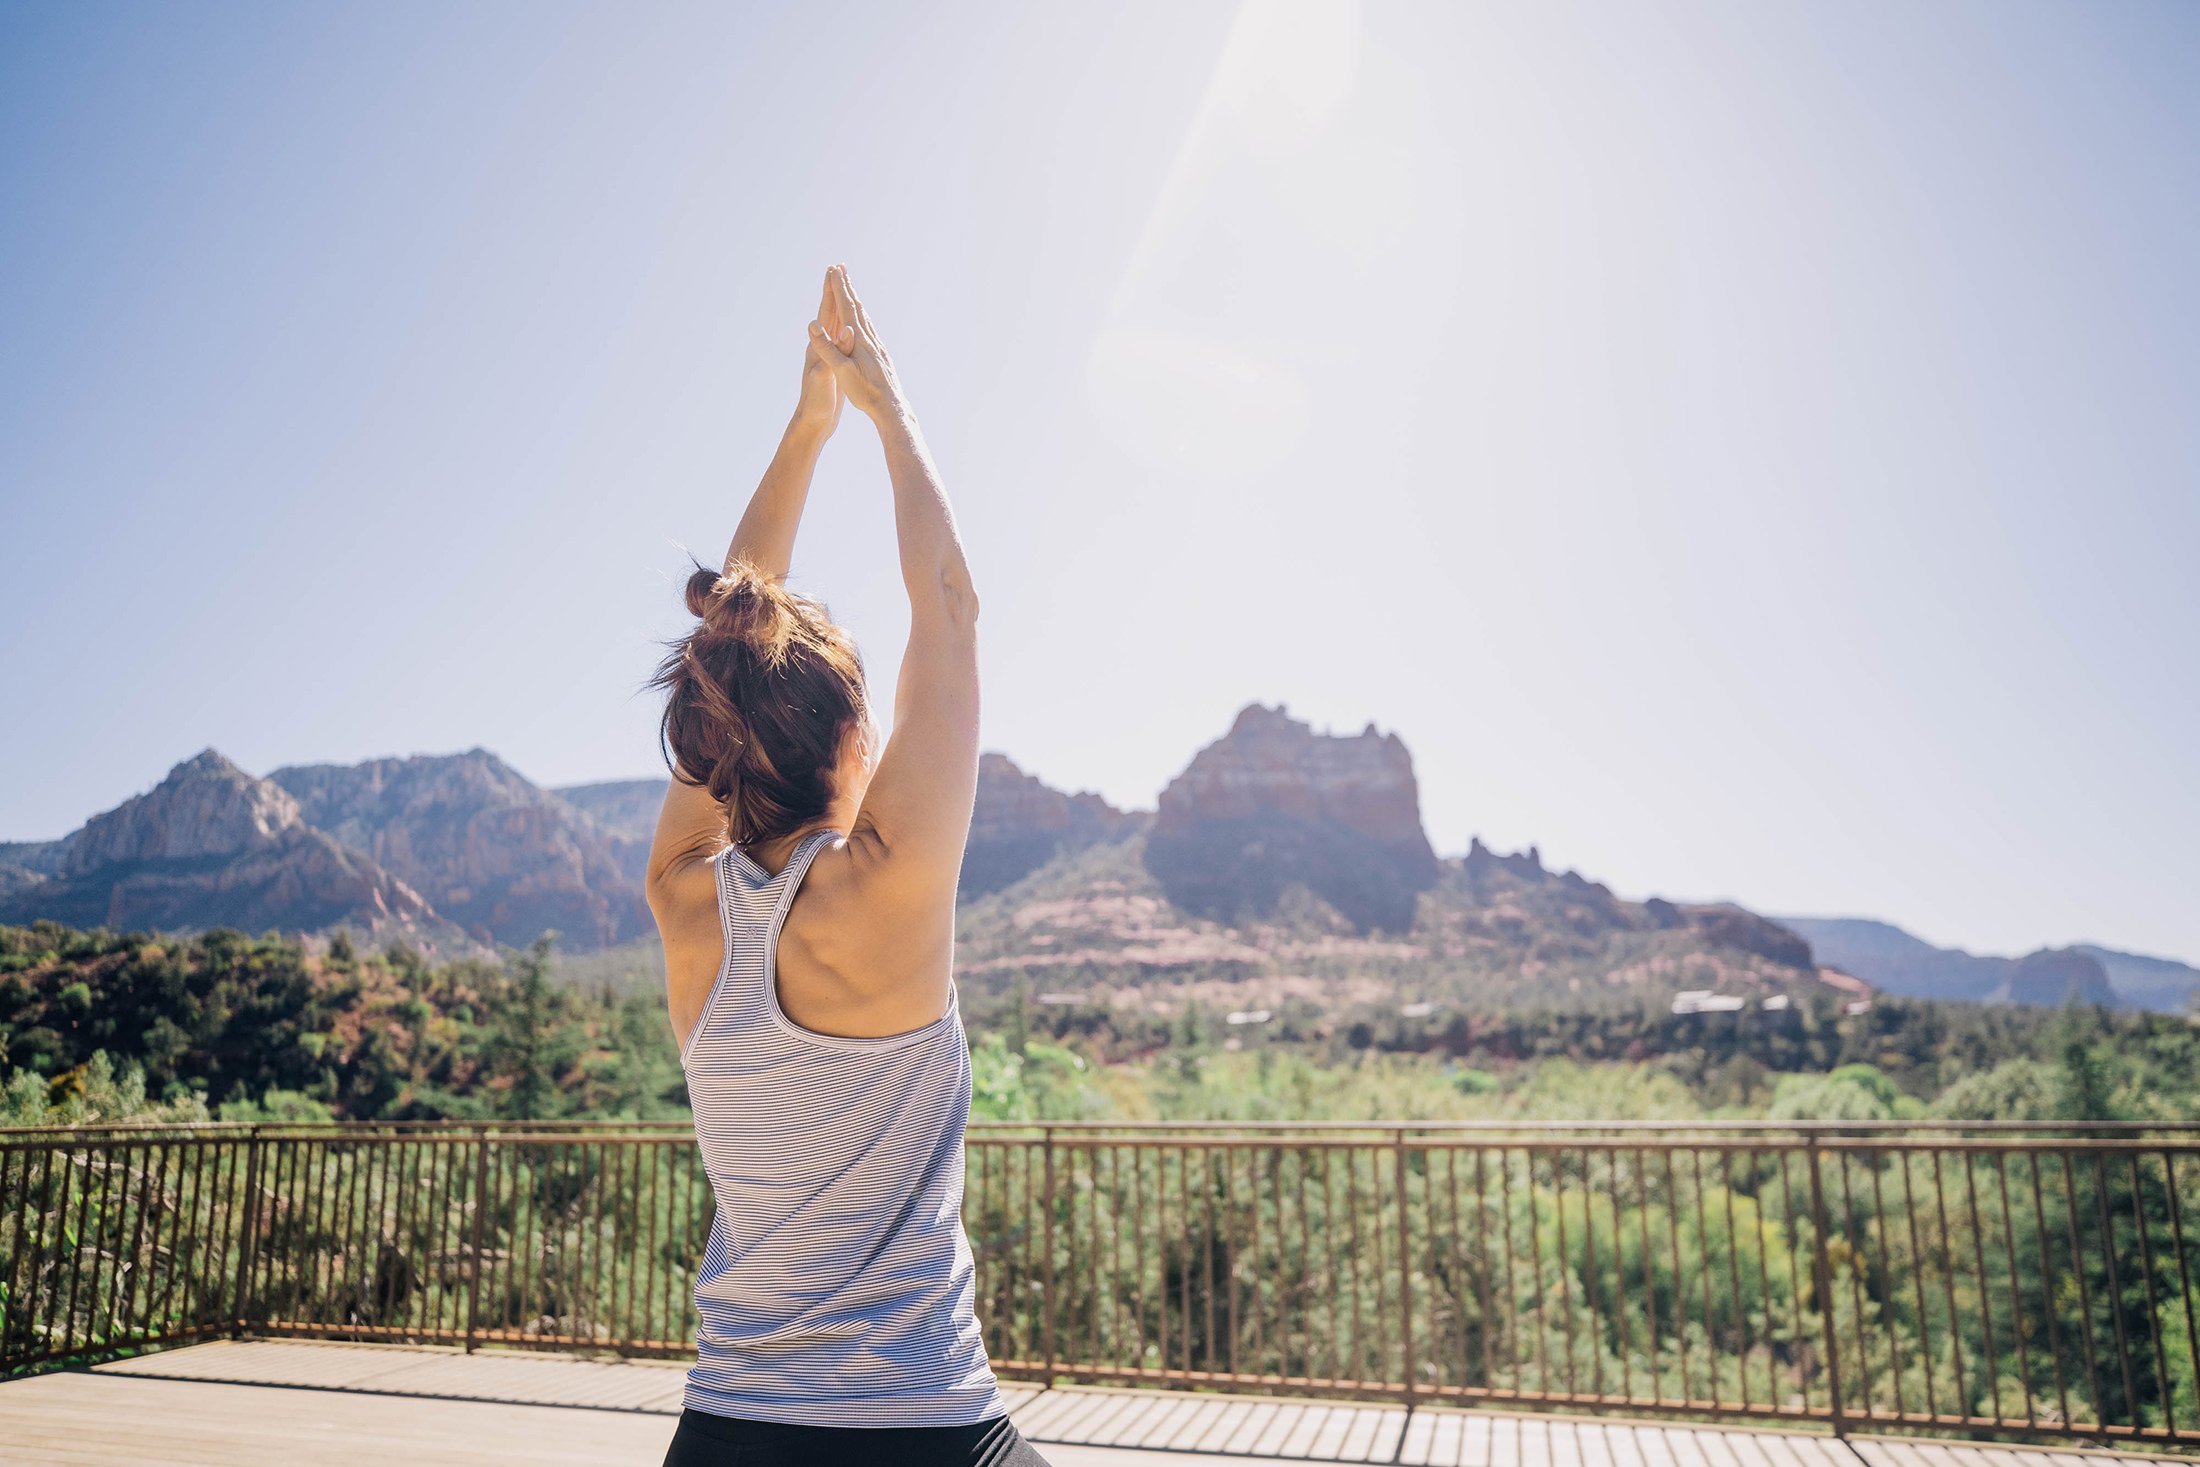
213 846
1564 916
625 810
1019 823
1725 925
206 806
493 852
1272 804
25 863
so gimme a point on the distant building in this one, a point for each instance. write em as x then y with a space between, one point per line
1417 1010
1775 1003
1704 1001
1249 1016
1062 1000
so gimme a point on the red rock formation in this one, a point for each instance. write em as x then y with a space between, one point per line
493 852
1272 804
211 846
1725 925
625 810
1270 763
206 806
1020 823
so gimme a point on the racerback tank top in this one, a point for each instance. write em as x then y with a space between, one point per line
837 1287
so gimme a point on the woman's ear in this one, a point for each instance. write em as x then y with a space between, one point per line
858 757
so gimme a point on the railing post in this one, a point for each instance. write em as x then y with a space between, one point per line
473 1261
1047 1317
248 1245
1405 1261
42 1218
1821 1267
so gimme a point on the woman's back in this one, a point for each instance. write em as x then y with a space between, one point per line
837 1288
835 1294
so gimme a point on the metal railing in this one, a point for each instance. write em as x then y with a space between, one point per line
1987 1279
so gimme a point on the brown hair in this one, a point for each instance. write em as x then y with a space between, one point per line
759 699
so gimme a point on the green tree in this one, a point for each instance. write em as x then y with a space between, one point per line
524 1047
1019 1014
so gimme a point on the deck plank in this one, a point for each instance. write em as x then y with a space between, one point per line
1085 1416
1477 1438
257 1403
1278 1427
1224 1435
1129 1417
1420 1438
1306 1430
86 1417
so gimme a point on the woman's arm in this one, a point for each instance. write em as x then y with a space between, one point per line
691 826
765 536
906 846
932 564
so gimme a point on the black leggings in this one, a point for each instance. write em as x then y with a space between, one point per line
704 1440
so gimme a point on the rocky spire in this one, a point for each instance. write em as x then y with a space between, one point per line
1273 803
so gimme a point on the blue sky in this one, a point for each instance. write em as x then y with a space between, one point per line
1746 449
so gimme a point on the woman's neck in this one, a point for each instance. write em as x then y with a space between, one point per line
773 854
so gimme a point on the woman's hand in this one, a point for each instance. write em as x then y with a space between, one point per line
819 405
844 337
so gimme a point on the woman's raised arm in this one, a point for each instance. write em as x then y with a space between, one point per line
765 536
915 817
691 825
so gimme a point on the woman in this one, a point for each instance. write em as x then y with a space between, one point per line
804 883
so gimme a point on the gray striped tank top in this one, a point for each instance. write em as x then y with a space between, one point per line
837 1287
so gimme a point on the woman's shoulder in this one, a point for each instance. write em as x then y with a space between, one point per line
857 959
683 893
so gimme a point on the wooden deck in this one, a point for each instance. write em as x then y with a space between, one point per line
245 1403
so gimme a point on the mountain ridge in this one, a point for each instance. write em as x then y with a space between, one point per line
1898 961
491 850
1276 848
211 845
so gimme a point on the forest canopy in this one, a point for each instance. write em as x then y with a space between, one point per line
95 1024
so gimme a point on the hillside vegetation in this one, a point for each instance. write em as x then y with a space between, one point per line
95 1024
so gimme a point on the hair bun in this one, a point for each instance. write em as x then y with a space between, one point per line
759 695
699 588
743 605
